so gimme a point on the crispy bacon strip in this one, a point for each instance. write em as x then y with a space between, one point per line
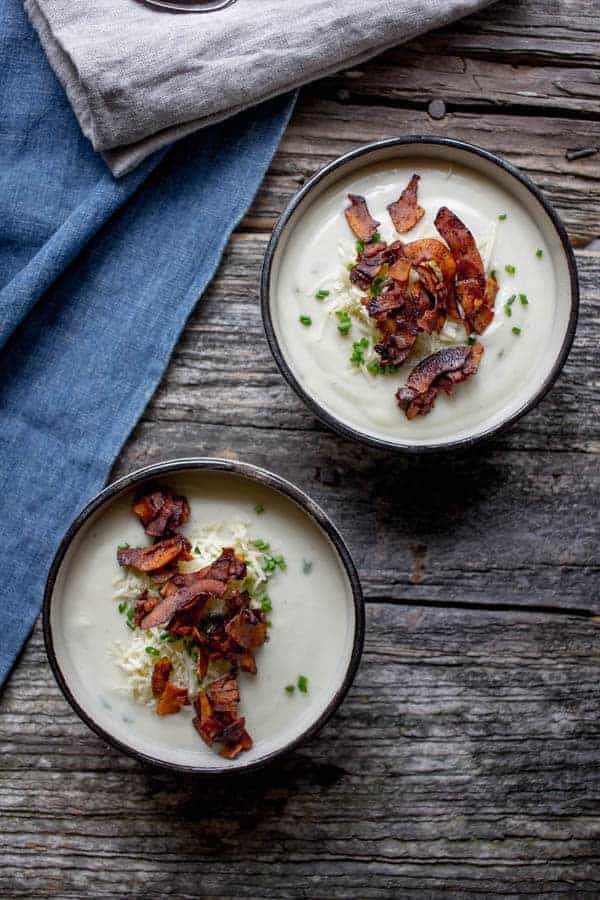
143 605
160 511
369 264
475 298
248 628
217 720
169 699
430 250
360 219
149 559
405 212
211 581
160 675
440 371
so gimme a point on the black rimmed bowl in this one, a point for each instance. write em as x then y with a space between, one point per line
521 237
317 617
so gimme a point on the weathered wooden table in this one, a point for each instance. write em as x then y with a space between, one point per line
465 758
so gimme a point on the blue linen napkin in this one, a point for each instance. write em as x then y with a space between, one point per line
97 279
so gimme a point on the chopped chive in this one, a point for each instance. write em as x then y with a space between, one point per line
357 351
511 300
375 238
390 370
130 614
502 217
269 623
321 294
373 367
164 636
523 299
345 321
307 566
350 266
124 546
280 561
306 320
507 310
360 246
197 550
265 603
493 273
303 684
516 330
152 651
471 339
123 606
290 688
539 253
259 508
130 625
262 545
510 269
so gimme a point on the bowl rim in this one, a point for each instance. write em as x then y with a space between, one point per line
324 415
252 473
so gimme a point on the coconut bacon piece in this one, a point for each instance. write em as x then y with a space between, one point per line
360 219
405 212
217 719
160 511
248 628
369 264
475 296
150 559
440 371
211 581
169 698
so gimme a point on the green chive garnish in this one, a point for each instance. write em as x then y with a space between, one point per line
307 566
373 367
124 546
130 625
493 273
345 321
471 339
349 266
306 320
376 238
259 508
152 651
502 217
511 300
507 310
539 253
290 688
123 606
516 330
376 286
523 299
510 269
360 246
320 295
262 545
265 603
303 684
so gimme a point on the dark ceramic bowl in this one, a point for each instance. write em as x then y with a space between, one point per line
81 620
334 181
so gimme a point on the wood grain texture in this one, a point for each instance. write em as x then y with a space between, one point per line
464 760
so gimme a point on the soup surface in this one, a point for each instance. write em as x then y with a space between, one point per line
315 259
311 634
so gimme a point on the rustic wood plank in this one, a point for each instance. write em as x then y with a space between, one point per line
464 760
414 535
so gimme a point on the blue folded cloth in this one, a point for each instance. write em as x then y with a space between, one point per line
97 279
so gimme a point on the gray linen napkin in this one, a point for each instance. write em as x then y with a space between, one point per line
138 78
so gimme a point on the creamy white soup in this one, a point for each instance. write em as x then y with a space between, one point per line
311 633
314 261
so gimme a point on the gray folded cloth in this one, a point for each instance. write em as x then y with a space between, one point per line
138 77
